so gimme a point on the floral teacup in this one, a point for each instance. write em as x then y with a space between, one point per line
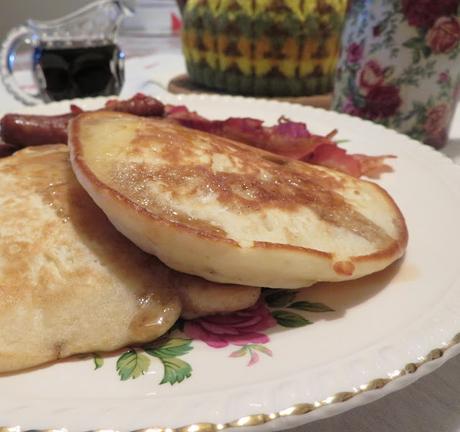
400 65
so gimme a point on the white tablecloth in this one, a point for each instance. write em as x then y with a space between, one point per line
430 405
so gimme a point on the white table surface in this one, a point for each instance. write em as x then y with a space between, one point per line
432 404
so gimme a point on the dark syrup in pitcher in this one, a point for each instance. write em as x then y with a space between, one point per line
74 72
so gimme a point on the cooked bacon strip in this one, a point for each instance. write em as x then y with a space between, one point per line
76 110
286 138
332 156
373 166
139 104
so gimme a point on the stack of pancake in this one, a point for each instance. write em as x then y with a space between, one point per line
144 221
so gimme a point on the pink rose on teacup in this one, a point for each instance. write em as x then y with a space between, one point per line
371 75
444 36
354 52
381 102
437 120
423 13
350 108
444 77
239 328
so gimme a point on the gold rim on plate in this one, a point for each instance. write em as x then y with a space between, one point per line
294 410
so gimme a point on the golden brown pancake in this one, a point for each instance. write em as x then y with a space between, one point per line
69 281
200 297
230 213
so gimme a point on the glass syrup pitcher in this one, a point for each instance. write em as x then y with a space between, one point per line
73 56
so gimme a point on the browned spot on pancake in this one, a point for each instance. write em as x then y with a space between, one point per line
251 181
62 259
58 349
258 188
168 147
192 166
36 171
345 268
134 183
276 159
199 224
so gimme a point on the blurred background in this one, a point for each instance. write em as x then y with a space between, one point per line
152 17
155 26
16 12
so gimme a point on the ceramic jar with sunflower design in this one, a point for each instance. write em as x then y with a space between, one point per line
400 65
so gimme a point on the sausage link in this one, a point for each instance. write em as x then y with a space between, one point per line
27 130
6 149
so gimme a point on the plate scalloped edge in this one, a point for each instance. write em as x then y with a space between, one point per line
303 408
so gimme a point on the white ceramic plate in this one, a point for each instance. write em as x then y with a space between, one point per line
385 332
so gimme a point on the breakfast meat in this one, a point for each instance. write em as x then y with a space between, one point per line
230 213
23 130
286 138
139 104
6 149
70 282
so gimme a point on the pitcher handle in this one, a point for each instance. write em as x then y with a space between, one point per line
16 37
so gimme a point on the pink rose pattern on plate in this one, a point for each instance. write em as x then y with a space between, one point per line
247 330
239 328
400 65
244 329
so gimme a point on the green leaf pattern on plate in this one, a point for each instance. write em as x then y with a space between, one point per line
279 298
168 351
289 319
310 307
175 370
98 361
132 364
285 299
170 348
